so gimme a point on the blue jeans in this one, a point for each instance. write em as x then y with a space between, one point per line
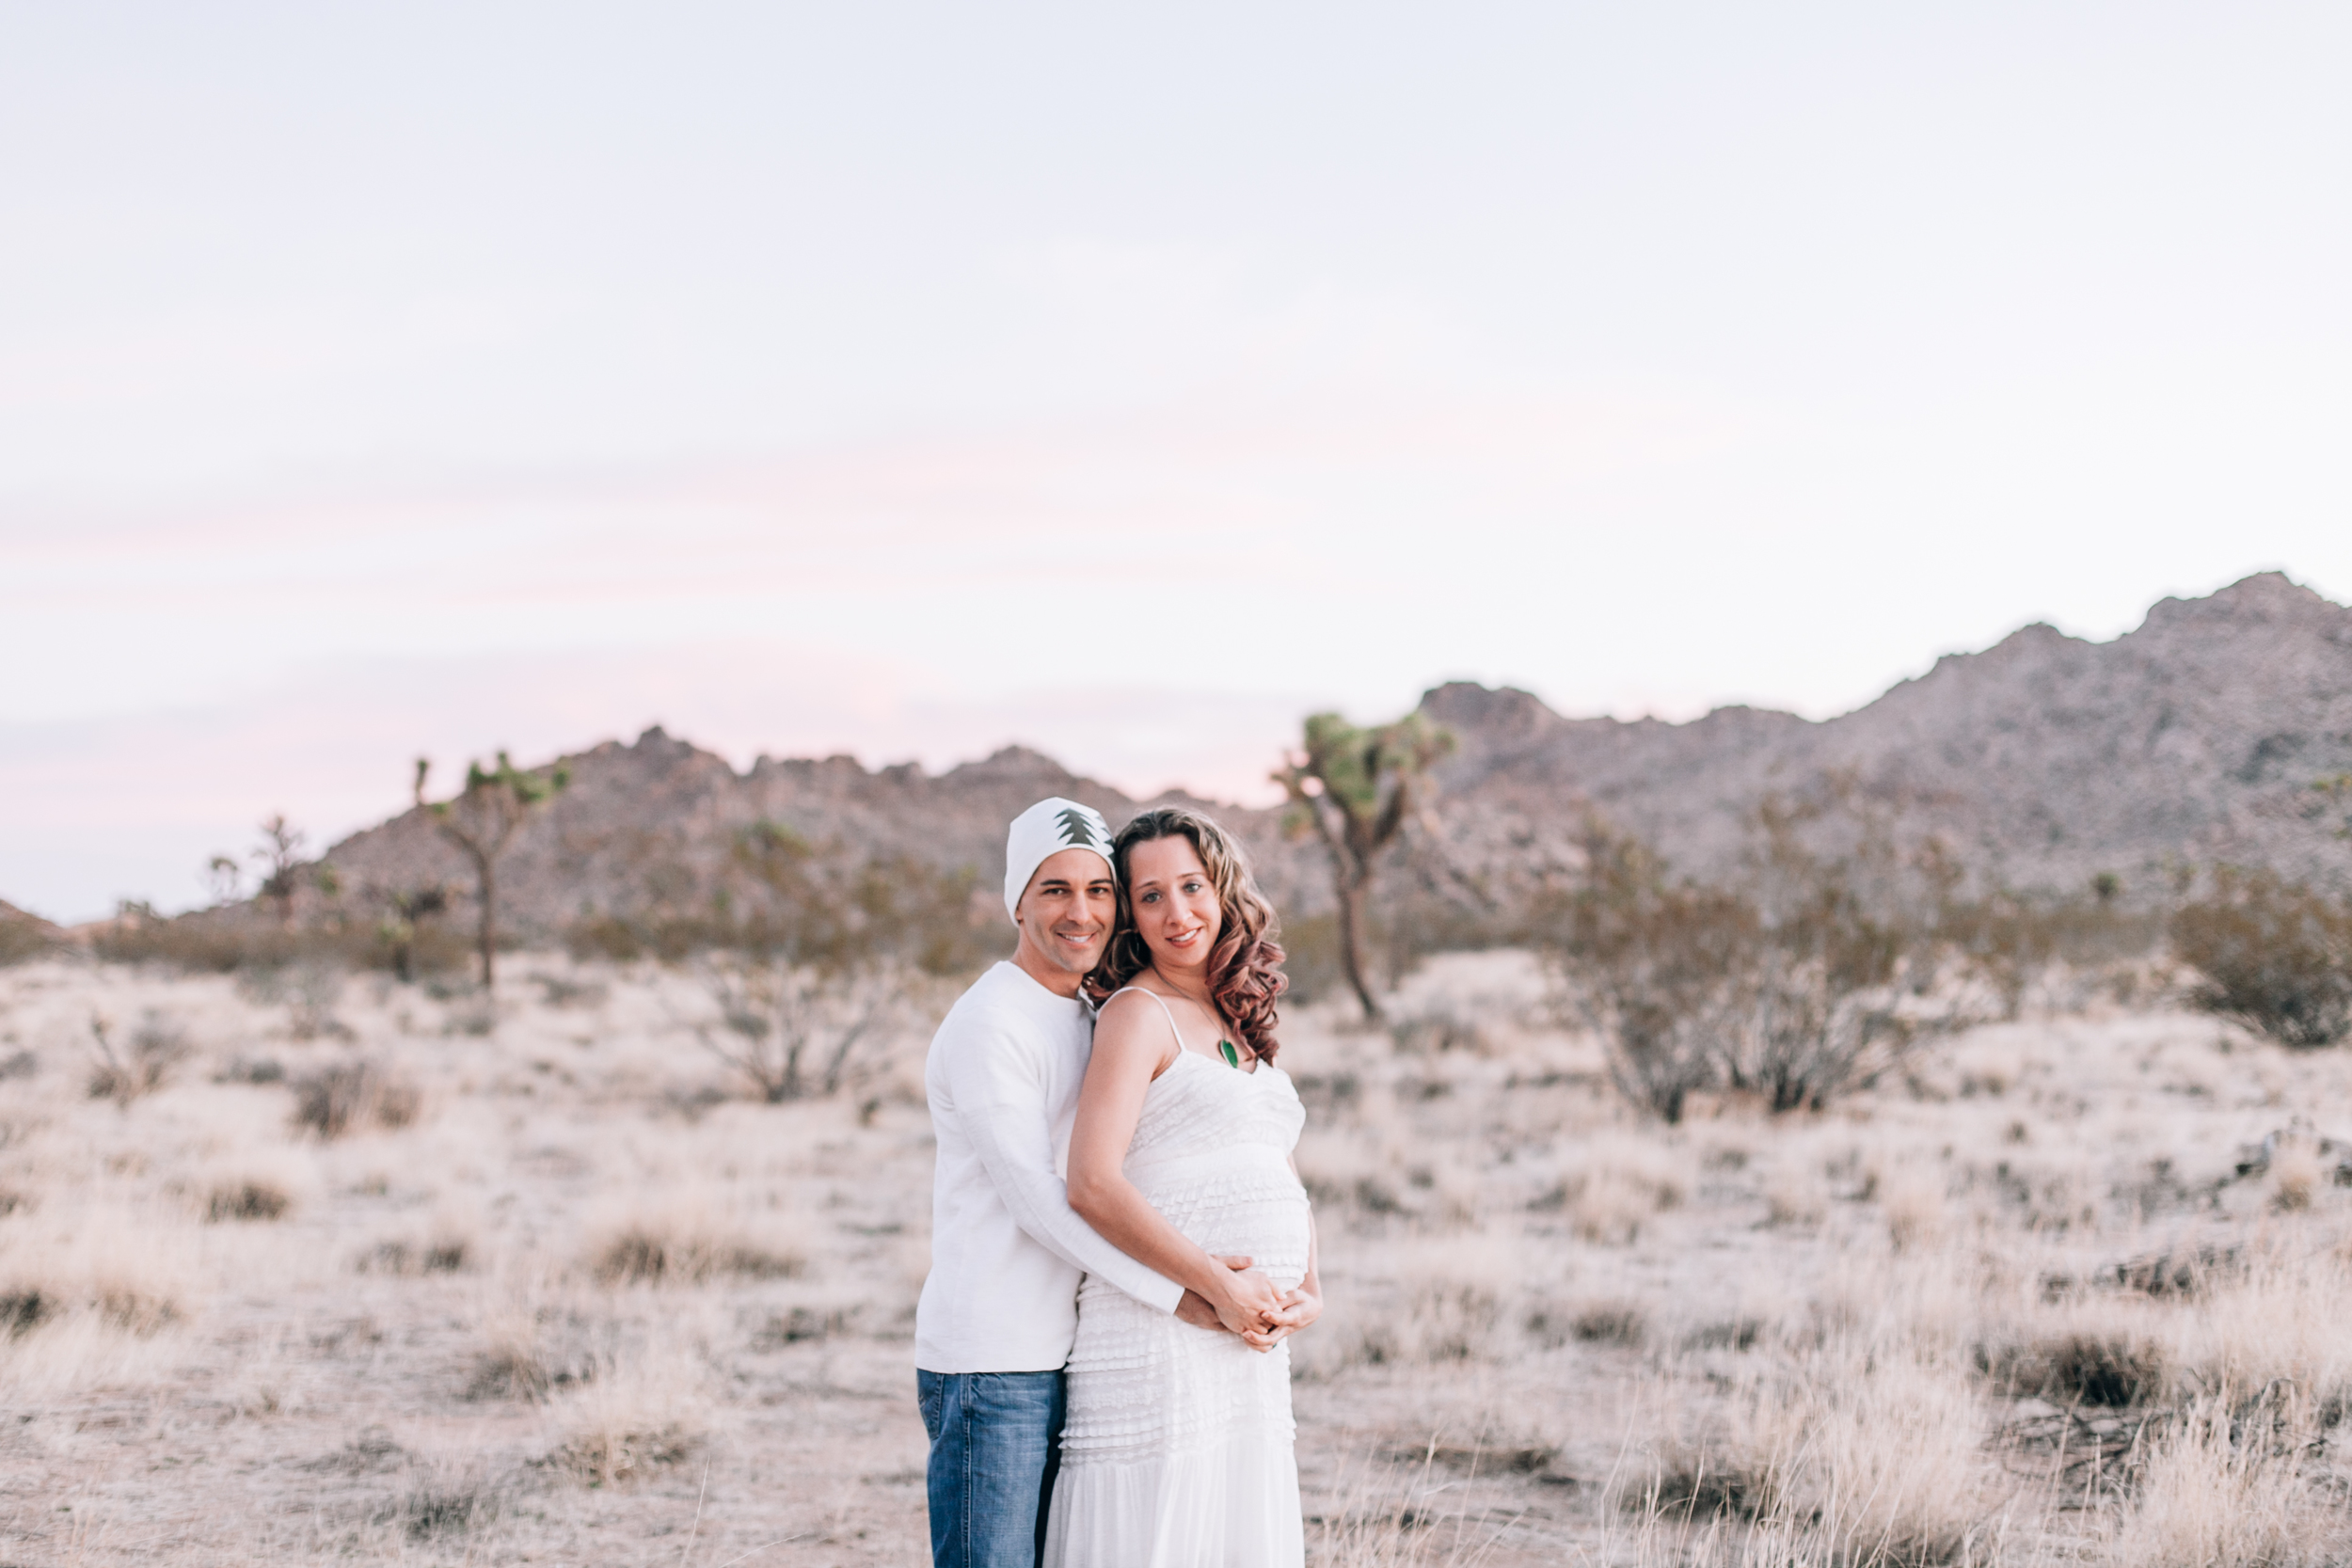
995 1445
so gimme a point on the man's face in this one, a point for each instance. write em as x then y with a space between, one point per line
1065 917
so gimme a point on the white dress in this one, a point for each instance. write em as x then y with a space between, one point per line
1177 1452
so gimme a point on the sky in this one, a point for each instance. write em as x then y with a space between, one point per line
913 380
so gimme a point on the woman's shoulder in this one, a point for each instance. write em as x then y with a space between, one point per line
1134 1015
1129 1002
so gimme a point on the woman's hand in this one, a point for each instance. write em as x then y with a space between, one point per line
1298 1310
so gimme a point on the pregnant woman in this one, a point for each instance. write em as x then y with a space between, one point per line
1177 1452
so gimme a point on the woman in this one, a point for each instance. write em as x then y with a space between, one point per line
1177 1452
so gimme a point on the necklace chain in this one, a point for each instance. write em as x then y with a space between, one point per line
1226 1048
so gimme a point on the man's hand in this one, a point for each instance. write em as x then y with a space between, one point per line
1197 1309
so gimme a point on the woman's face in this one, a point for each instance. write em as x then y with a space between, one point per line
1174 902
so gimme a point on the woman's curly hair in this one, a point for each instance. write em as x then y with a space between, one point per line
1244 967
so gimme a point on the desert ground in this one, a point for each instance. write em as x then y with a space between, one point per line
380 1273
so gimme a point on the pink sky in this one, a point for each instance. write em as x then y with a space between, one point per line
913 382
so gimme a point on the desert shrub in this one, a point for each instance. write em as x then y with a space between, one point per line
123 1070
347 1096
682 1248
136 1307
1614 1188
250 1197
1655 967
223 940
444 1250
806 1325
630 1420
309 988
2009 941
2275 955
1841 978
1439 1026
561 990
2109 1368
445 1501
1598 1323
1448 1320
23 1309
1425 909
791 1030
1811 975
411 936
782 897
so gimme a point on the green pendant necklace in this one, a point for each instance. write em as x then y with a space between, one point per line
1233 1057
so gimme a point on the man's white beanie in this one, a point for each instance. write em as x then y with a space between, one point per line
1046 829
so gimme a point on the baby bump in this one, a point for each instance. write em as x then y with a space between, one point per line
1244 1201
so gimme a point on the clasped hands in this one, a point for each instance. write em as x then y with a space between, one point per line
1251 1306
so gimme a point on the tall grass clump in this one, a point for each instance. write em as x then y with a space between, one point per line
2220 1486
1864 1459
346 1096
633 1419
684 1244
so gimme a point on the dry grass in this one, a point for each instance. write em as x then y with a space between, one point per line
632 1418
2216 1490
125 1065
572 1301
686 1244
344 1097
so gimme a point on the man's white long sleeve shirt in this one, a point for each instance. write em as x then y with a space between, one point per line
1006 1248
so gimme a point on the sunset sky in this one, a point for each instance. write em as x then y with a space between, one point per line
907 380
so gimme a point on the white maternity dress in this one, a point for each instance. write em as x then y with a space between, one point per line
1177 1452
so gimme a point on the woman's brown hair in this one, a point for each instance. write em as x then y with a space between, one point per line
1244 967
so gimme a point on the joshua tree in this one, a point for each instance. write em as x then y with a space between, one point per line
405 910
280 857
225 879
481 822
1355 788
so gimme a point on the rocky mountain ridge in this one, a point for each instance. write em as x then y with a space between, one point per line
2043 761
2196 738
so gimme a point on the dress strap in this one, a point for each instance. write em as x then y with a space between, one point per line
1166 1011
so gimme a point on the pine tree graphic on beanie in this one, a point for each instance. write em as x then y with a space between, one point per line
1046 829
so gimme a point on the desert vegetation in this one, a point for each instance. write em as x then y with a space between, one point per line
1842 1208
385 1270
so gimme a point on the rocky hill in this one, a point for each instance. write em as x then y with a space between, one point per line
649 825
2043 761
26 935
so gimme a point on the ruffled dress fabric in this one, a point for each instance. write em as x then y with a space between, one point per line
1178 1447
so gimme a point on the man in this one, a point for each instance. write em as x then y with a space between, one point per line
1000 1307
